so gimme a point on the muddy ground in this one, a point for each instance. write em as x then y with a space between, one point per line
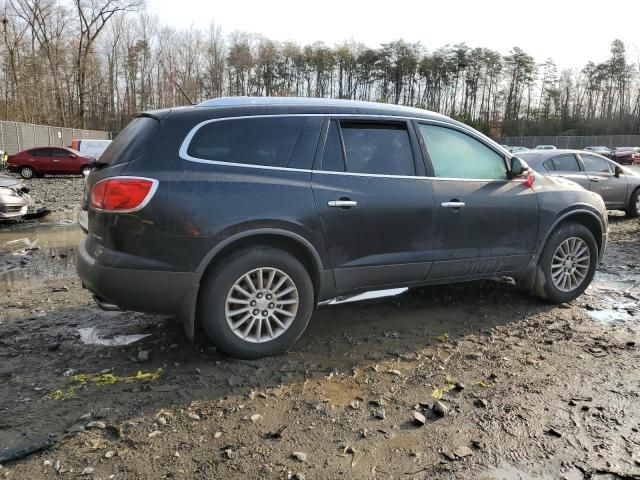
549 391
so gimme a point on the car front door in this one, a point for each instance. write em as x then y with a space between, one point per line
566 165
485 223
374 202
602 180
63 161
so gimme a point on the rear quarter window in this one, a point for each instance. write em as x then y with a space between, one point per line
131 142
267 141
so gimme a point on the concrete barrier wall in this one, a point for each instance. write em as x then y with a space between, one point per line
16 136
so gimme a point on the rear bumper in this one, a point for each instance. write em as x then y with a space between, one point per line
149 291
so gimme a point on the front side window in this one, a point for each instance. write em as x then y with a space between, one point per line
59 153
596 164
377 148
264 141
566 163
455 154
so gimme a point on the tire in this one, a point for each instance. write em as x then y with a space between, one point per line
633 207
219 287
562 290
27 172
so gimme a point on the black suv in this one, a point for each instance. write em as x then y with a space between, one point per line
240 215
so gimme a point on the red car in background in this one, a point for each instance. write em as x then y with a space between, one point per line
627 155
36 162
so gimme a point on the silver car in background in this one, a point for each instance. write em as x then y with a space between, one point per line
618 186
14 198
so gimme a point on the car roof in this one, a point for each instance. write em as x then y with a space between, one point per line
250 106
313 102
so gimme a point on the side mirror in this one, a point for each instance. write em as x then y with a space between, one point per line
73 156
618 171
518 167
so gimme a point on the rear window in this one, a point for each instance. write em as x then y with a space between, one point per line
131 142
265 141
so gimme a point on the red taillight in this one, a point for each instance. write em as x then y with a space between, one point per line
122 194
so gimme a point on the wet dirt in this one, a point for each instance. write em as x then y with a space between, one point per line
550 391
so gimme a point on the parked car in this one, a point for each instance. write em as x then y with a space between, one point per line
518 149
14 198
545 147
40 161
601 150
90 148
618 186
241 215
627 155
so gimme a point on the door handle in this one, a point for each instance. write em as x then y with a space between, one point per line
343 203
452 204
595 179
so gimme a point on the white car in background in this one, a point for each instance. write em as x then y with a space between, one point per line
90 148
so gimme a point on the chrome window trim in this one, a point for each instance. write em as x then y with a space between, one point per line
184 146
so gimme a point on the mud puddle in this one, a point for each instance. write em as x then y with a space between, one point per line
48 250
614 298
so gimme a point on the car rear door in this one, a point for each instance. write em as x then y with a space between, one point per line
567 165
375 203
38 159
602 179
485 223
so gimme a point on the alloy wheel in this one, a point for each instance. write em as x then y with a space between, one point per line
261 305
570 264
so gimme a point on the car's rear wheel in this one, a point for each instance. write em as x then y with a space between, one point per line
256 302
633 207
27 172
567 264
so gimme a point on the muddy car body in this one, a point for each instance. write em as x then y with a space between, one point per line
14 198
240 215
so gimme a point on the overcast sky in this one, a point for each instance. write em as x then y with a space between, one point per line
571 32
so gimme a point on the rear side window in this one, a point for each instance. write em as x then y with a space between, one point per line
40 152
263 141
455 154
548 164
131 142
566 163
377 148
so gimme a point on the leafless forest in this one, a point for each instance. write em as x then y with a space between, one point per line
93 63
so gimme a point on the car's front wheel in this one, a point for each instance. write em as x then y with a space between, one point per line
633 207
27 172
256 302
567 264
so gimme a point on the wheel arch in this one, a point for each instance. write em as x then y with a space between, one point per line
285 240
587 218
